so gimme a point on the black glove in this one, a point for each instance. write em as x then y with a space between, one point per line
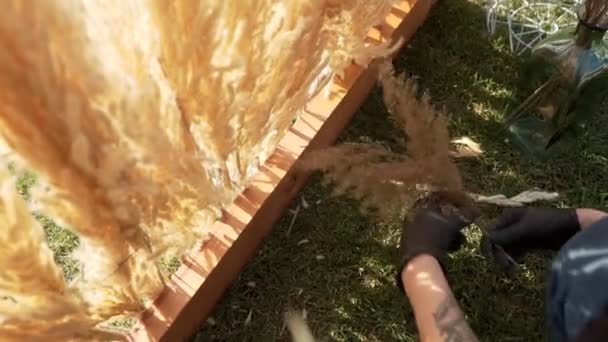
430 232
519 230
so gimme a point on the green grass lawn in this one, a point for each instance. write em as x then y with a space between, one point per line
337 264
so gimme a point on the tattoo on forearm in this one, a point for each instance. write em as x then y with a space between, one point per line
451 323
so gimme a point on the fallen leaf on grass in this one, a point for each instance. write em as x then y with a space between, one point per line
466 148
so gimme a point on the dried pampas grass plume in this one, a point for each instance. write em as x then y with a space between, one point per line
34 298
386 181
143 119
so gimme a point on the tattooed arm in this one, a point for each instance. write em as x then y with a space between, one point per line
438 316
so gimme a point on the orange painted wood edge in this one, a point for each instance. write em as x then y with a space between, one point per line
198 285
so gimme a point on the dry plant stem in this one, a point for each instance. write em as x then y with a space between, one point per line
535 99
293 219
596 13
146 117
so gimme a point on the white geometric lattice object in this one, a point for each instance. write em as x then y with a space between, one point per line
529 21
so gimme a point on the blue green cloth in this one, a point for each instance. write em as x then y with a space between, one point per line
578 284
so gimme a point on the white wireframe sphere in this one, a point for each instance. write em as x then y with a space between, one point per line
529 21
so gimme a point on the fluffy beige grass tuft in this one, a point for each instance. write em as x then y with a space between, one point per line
145 118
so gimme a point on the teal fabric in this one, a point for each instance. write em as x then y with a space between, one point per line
578 284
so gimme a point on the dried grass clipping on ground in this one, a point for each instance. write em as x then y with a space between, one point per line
520 200
145 118
298 328
386 181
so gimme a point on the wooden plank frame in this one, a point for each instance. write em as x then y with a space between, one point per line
198 285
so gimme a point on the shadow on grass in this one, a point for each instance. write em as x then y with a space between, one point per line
349 292
335 264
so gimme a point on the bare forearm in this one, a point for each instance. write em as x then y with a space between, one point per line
587 217
438 316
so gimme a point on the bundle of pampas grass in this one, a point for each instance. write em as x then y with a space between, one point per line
143 119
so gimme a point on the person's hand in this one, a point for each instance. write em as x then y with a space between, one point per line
519 230
431 232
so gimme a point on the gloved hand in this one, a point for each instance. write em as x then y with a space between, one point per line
431 232
519 230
